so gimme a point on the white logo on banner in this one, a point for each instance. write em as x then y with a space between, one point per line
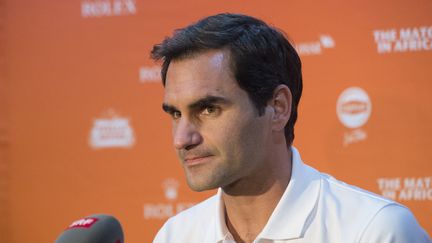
102 8
353 109
170 188
406 189
315 47
150 74
403 39
164 210
111 131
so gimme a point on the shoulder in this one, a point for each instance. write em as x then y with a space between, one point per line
352 197
199 212
378 219
394 223
187 221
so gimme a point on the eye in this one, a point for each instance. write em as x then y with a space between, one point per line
210 110
176 114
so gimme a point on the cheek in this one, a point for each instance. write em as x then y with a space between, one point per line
253 137
238 138
220 134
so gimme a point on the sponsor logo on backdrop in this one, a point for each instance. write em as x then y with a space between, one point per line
169 207
104 8
315 47
412 39
170 187
406 188
353 108
150 74
111 131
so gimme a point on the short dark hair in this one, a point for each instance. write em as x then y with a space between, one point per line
261 56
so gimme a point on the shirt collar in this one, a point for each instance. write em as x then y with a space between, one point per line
294 210
222 232
297 205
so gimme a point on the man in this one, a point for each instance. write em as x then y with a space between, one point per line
232 87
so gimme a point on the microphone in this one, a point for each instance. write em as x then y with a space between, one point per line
97 228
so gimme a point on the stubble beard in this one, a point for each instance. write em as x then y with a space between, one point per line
205 177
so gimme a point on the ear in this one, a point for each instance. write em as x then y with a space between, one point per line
281 104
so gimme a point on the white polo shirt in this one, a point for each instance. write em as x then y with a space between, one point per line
315 207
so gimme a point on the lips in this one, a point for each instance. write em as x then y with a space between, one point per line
196 160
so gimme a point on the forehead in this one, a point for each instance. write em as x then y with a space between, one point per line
198 76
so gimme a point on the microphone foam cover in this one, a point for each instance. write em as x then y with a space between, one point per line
97 228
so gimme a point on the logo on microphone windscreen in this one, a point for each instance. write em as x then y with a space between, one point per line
83 223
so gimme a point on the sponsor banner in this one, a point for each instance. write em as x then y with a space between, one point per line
353 108
406 188
60 54
150 74
111 131
395 40
104 8
315 47
170 207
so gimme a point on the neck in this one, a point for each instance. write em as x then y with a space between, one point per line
250 201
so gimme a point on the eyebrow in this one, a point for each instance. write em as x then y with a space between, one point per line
199 104
168 108
207 101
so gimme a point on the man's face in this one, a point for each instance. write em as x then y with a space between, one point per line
217 133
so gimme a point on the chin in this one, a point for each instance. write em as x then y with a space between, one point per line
201 186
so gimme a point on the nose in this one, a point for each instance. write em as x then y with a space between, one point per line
186 135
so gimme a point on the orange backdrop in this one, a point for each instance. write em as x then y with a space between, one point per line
82 130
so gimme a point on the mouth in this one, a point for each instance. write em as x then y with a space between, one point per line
196 160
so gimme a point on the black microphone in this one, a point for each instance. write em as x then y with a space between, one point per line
97 228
